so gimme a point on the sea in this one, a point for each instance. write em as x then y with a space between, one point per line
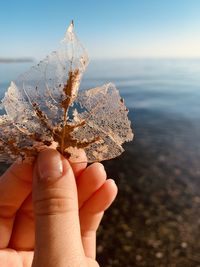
170 86
157 208
162 95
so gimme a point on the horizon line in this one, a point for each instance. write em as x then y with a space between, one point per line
8 60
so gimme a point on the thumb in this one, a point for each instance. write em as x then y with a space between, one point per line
58 239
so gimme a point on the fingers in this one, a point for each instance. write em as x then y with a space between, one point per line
79 163
15 186
23 237
23 234
55 203
90 181
91 214
92 263
11 258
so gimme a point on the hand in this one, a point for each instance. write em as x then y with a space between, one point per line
52 220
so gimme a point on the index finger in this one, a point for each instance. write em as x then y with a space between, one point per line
79 162
15 186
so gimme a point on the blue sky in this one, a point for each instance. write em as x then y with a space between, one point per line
108 29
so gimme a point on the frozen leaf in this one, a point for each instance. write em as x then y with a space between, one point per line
43 108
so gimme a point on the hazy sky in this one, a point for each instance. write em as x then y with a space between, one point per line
108 29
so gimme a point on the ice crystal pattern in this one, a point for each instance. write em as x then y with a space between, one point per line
43 108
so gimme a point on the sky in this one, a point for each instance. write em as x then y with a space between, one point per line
108 29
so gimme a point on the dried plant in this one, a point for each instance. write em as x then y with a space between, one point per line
43 108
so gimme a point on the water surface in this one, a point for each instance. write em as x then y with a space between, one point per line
157 209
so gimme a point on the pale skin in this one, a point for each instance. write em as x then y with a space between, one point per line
52 222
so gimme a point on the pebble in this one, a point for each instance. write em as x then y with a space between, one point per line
127 248
159 255
129 234
138 257
184 245
99 249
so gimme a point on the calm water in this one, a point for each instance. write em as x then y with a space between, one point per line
169 86
161 165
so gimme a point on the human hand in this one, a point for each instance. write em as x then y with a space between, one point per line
59 228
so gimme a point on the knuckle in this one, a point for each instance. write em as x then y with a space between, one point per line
55 204
7 211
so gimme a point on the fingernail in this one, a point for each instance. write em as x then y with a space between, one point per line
49 164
